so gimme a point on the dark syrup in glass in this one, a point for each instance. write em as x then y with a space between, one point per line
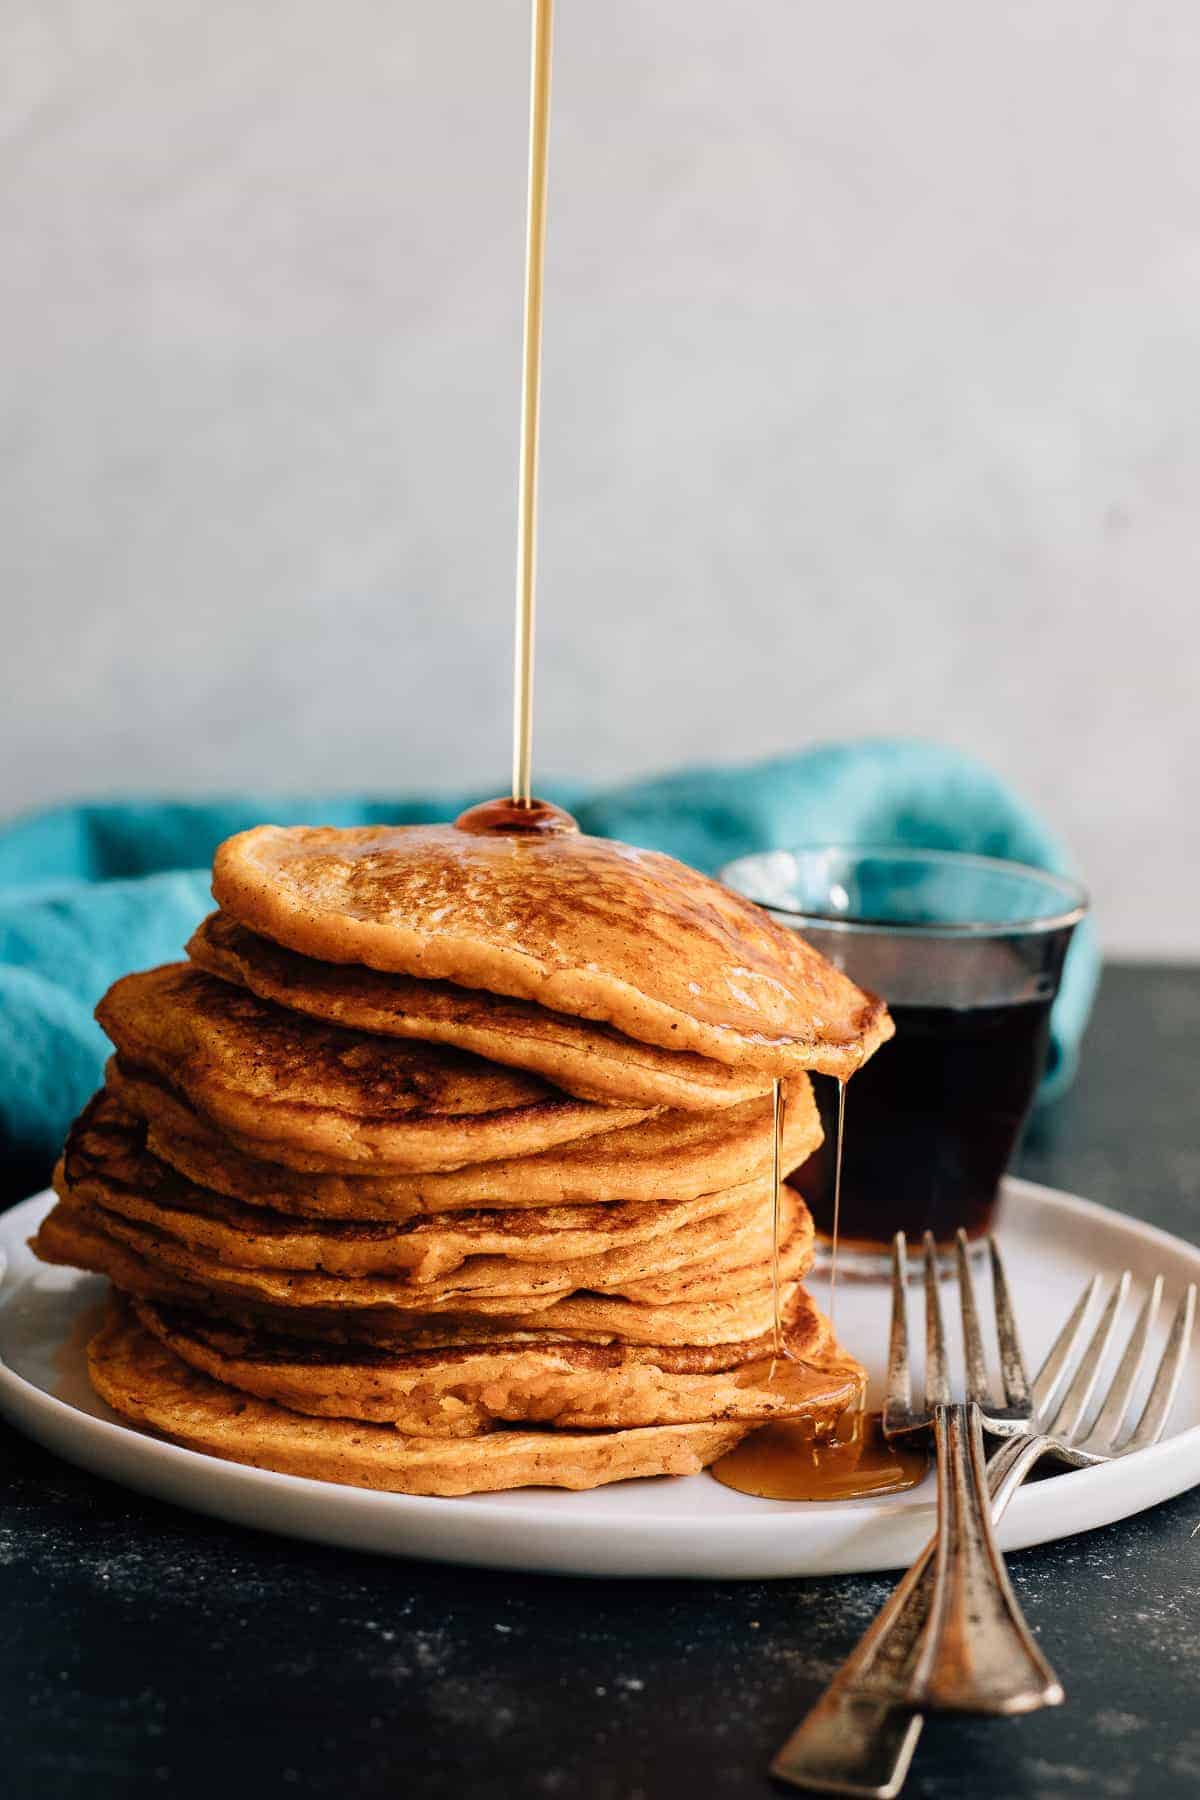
934 1118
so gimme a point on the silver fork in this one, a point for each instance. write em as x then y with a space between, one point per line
860 1742
977 1653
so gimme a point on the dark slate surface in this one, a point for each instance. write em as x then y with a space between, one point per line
148 1652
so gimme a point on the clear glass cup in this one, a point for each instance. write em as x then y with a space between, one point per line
968 952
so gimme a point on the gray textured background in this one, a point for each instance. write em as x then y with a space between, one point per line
872 397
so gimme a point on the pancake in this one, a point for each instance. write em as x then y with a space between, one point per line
311 1095
72 1236
105 1165
658 1274
107 1162
69 1237
463 1392
579 925
607 1318
698 1336
671 1156
737 1305
146 1383
587 1059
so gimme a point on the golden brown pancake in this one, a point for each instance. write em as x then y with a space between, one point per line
672 1156
494 1286
105 1165
311 1095
583 926
72 1236
608 1319
463 1392
107 1162
69 1237
736 1305
587 1059
145 1382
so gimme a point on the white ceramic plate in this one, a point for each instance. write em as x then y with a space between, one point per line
665 1527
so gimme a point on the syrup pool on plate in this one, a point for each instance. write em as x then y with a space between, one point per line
783 1461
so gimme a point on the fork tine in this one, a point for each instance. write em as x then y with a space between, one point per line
977 1375
937 1373
1012 1363
897 1410
1109 1420
1157 1409
1075 1401
1048 1378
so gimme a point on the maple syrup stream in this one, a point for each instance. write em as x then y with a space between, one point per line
518 814
531 390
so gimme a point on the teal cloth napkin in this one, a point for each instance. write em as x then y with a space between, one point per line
89 892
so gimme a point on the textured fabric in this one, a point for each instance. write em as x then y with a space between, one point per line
90 892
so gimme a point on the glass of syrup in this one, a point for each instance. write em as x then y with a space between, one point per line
967 951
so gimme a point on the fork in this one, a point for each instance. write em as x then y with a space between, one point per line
858 1741
977 1653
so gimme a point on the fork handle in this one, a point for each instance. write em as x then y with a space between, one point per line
977 1654
860 1738
857 1739
851 1743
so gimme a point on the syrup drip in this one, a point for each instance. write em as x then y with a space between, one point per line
785 1462
779 1346
837 1197
778 1337
531 387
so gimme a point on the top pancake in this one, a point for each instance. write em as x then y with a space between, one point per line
312 1096
587 1059
580 925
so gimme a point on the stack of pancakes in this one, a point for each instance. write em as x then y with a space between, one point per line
445 1164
